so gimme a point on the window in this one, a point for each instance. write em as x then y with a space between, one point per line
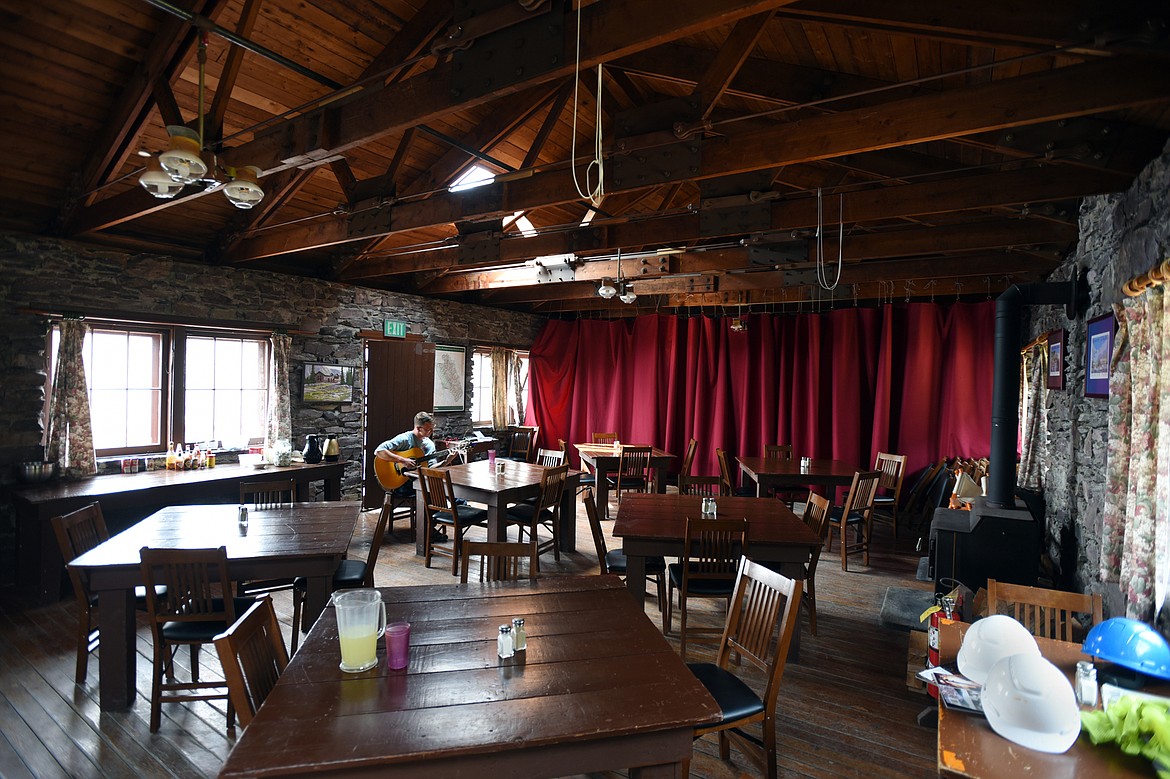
151 385
481 388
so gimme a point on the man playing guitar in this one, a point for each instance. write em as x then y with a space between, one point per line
406 451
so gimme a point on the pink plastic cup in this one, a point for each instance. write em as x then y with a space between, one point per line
398 644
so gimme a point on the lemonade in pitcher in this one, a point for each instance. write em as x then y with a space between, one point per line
361 621
359 651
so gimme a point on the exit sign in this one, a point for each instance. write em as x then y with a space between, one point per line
392 328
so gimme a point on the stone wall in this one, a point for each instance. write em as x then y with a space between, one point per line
1121 236
49 275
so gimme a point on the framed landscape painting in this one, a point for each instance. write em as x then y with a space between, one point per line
328 383
1098 354
1056 359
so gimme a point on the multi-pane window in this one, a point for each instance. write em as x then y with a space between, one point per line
148 386
481 388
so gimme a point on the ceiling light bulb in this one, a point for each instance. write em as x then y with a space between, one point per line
243 190
628 295
607 290
182 160
158 182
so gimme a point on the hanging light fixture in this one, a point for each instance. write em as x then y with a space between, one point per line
187 162
607 290
628 295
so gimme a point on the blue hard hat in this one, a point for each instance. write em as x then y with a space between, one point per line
1131 644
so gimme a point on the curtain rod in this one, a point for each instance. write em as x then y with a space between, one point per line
1042 338
1159 274
164 319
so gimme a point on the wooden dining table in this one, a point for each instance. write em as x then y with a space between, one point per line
477 482
603 459
598 688
770 473
299 539
653 525
969 748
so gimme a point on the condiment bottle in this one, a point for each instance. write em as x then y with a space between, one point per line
504 646
519 637
1086 687
243 514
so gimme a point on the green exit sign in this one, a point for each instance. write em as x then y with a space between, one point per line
392 328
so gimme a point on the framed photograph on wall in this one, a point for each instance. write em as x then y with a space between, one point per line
1056 360
328 383
1098 354
450 377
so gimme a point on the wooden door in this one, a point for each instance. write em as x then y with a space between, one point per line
400 382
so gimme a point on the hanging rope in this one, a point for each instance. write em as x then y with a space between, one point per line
594 195
822 273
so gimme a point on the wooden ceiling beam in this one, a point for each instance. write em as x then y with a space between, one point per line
1073 91
231 69
730 58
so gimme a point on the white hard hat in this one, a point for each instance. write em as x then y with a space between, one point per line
990 640
1029 700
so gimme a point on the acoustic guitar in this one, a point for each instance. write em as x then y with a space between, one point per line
391 474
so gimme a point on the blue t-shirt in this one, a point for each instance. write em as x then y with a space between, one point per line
408 440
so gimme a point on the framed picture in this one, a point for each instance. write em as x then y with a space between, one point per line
1056 359
450 377
1098 353
328 383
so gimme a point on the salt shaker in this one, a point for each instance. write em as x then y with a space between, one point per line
519 637
504 646
1086 684
243 515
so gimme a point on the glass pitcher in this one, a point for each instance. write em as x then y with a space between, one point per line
361 621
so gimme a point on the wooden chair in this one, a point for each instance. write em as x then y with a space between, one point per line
270 494
764 604
522 445
634 473
857 512
708 486
349 573
442 511
893 468
1046 613
615 561
399 505
500 561
603 438
688 461
77 532
816 517
198 607
253 657
550 457
273 493
707 569
544 513
727 485
778 451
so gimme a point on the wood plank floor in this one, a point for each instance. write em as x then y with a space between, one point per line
844 710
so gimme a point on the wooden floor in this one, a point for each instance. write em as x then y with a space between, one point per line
844 710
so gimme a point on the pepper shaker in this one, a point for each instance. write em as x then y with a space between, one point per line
504 646
519 636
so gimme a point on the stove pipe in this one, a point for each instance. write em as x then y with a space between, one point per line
1005 398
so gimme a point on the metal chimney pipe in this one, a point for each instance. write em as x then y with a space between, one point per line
1005 397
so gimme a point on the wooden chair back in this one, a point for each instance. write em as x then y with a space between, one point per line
689 458
603 438
816 514
523 443
552 487
727 483
708 486
197 582
1046 613
859 503
595 529
438 490
816 518
550 457
77 532
380 529
634 474
501 561
273 493
253 657
778 451
893 467
712 550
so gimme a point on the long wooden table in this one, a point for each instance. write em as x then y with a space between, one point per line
598 688
783 475
128 498
477 482
652 525
304 539
603 459
969 748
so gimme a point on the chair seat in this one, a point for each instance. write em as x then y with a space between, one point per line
626 482
615 561
854 517
523 513
203 631
349 573
736 700
468 515
883 500
700 587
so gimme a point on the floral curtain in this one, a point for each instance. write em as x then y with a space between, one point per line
519 388
70 441
1033 420
1136 528
279 426
500 360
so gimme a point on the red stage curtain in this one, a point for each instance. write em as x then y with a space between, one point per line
910 379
